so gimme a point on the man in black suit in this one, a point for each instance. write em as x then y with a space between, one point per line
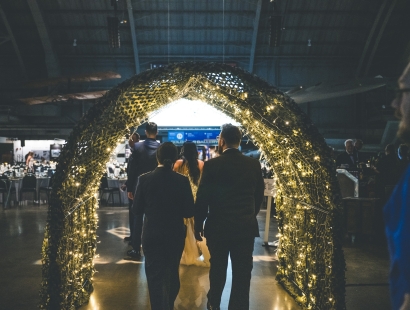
143 161
165 197
348 158
229 197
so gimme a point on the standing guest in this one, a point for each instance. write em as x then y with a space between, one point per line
347 158
402 153
135 138
165 197
358 145
397 209
232 188
30 161
143 161
29 157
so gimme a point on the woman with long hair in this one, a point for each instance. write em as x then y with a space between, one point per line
190 166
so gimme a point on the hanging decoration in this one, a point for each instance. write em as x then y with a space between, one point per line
311 263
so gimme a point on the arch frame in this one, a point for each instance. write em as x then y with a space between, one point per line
311 264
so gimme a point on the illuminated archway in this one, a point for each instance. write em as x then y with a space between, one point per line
311 263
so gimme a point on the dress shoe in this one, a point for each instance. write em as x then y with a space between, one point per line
134 254
127 238
209 307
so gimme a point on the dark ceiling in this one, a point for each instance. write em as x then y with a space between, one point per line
287 42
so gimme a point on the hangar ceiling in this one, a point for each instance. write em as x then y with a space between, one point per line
289 43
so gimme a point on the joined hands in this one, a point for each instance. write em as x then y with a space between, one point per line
199 235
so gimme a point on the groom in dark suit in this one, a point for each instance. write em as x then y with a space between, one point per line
165 197
229 197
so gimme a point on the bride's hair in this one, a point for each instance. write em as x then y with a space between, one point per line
190 154
167 154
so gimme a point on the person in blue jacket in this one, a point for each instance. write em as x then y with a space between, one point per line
397 209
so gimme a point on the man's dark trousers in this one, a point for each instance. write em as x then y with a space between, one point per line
138 223
162 271
131 217
240 250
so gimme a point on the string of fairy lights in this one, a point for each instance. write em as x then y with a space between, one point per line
311 264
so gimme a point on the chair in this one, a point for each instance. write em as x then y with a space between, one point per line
5 188
47 189
29 185
104 188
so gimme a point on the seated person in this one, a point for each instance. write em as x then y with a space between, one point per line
347 159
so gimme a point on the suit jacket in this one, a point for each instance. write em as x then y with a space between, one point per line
344 158
165 197
143 159
232 187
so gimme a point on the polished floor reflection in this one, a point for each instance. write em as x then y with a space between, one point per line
121 284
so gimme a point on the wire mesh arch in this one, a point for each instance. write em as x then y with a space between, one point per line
290 143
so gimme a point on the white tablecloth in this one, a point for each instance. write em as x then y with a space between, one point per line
18 183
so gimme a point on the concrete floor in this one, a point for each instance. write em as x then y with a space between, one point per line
121 284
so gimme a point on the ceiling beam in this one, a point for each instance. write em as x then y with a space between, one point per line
147 28
330 12
177 11
191 27
379 36
244 44
53 68
140 12
13 41
133 36
242 56
255 34
370 37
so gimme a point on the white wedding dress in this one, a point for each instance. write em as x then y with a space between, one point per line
195 252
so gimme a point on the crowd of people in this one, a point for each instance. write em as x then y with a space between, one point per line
169 201
382 172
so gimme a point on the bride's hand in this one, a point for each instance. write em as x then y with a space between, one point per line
198 235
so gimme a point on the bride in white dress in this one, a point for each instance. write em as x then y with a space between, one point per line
195 252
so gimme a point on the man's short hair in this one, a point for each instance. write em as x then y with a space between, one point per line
137 136
151 128
349 140
231 134
167 154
